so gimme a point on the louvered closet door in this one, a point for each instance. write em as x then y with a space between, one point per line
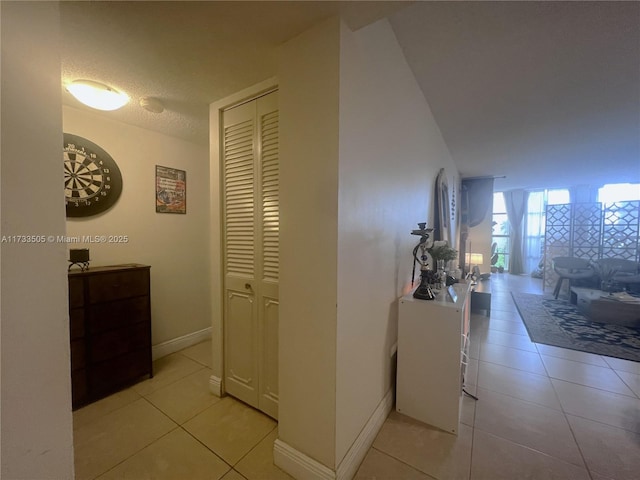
251 229
269 205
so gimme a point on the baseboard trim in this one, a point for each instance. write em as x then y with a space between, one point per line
355 455
301 466
215 385
171 346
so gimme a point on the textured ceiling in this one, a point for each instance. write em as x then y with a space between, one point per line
187 54
546 93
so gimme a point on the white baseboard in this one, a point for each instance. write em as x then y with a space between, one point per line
171 346
354 457
215 385
303 467
299 465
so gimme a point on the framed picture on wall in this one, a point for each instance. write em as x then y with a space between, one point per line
171 190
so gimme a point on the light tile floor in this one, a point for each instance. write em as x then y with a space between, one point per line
544 413
170 427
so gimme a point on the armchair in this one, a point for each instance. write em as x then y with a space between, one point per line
571 268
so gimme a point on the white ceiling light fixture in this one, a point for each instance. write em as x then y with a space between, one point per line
97 95
152 104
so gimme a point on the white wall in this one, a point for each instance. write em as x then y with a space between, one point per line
391 151
175 245
36 435
360 152
309 96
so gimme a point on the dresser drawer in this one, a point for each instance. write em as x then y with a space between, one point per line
76 323
78 354
76 292
118 342
105 377
114 315
79 391
113 286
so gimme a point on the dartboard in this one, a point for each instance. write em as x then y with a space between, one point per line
92 180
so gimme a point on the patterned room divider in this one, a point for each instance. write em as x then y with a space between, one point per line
590 231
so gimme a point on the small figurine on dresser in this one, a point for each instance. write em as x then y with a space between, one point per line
80 257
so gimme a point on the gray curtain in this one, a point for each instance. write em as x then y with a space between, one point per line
516 203
477 198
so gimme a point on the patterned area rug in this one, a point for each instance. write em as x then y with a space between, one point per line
558 323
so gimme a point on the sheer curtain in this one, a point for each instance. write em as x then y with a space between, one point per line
516 203
534 231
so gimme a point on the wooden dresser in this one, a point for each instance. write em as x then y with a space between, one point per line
110 329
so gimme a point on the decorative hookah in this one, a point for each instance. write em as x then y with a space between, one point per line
423 291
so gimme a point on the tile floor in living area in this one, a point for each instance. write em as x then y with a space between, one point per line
543 413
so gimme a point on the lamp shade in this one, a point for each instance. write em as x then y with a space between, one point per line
476 259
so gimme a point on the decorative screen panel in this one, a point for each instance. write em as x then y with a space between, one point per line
591 231
586 230
557 242
621 230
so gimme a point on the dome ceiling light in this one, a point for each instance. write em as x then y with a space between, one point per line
97 95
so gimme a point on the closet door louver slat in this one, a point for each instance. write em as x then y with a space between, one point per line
239 198
270 197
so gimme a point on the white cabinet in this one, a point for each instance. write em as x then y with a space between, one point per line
433 345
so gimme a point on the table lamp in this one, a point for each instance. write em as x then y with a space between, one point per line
476 259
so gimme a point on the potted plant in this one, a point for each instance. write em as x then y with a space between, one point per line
606 273
440 250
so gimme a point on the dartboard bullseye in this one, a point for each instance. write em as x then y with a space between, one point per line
92 179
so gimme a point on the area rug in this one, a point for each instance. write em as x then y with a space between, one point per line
558 323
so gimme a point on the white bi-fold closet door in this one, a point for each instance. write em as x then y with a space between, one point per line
251 252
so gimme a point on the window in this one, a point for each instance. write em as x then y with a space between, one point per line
619 192
535 221
500 233
557 197
533 228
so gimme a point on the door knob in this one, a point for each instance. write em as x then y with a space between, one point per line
248 287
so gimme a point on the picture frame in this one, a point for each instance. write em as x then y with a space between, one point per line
171 190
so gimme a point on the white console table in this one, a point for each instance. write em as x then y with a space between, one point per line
433 345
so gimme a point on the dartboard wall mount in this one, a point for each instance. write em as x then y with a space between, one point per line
92 179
